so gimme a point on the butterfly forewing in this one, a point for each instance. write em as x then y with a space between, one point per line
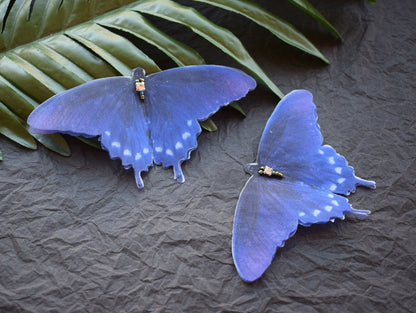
268 213
260 226
179 98
292 144
84 110
109 108
291 131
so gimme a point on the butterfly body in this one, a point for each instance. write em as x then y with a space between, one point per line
144 119
269 171
138 75
312 180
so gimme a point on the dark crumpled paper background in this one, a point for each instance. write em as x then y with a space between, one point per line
76 235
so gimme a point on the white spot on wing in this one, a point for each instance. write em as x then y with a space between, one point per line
178 145
158 149
127 152
169 152
335 202
189 122
320 151
302 214
328 208
186 135
316 212
333 187
338 170
116 144
138 156
340 180
107 132
331 160
330 195
146 150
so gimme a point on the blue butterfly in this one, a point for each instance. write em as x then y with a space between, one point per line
295 180
144 119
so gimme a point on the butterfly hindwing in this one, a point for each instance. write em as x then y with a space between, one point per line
107 107
292 144
179 98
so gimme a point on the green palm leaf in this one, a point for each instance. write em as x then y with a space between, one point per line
50 46
222 38
310 9
12 127
279 27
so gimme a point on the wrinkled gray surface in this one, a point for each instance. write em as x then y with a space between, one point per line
76 235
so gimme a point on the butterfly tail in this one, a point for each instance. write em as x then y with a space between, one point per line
361 213
139 180
365 183
177 173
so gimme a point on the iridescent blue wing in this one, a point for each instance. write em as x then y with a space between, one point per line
180 97
268 213
161 127
292 144
107 107
269 209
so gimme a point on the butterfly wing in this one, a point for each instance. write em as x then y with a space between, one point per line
107 107
162 128
180 97
292 144
269 209
268 213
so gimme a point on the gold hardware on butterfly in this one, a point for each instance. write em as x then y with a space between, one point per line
140 87
268 171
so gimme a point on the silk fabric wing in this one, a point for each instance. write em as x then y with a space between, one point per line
270 208
162 128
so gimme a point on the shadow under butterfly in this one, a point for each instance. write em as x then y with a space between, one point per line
295 180
144 119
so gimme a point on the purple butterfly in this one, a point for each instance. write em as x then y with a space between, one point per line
144 119
295 180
